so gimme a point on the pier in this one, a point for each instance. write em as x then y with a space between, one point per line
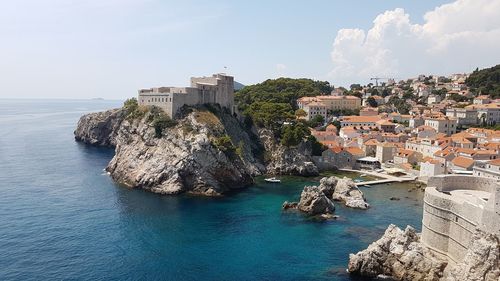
385 178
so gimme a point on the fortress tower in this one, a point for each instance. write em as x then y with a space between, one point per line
454 206
217 89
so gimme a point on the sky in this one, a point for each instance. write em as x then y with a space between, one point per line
112 48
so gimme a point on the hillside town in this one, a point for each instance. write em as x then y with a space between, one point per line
420 127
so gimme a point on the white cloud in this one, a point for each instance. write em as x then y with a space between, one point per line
455 37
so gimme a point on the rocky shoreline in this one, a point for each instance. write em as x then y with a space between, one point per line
205 151
400 255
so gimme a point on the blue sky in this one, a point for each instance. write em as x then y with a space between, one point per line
110 48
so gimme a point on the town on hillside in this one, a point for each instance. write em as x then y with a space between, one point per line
419 127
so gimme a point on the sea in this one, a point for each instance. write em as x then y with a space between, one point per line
63 218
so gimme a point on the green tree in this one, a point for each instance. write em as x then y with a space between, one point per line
486 81
356 87
300 113
372 102
317 121
292 135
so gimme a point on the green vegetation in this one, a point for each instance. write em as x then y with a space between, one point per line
486 81
441 93
133 110
317 121
372 102
300 113
400 104
160 120
317 147
268 114
273 101
344 112
458 98
224 144
336 123
294 134
239 150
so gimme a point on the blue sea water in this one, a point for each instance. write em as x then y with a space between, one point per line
63 218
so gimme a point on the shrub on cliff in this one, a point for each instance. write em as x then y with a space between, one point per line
159 120
225 144
133 110
292 135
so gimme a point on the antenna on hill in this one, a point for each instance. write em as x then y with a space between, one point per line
225 69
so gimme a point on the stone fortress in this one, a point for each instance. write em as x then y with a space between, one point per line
454 206
218 89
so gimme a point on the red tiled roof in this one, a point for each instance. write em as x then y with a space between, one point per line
462 162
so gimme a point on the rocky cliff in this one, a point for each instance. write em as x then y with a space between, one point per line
282 160
100 128
205 151
197 155
400 255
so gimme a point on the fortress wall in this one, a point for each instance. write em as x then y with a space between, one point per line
446 183
160 100
204 90
448 222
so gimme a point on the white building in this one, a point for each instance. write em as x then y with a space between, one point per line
464 116
489 113
385 152
444 125
218 89
430 167
490 169
483 99
426 146
314 109
433 99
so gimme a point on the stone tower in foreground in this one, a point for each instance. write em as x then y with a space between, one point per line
454 206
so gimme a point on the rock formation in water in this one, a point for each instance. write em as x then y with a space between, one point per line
205 151
100 128
284 160
313 202
345 190
196 155
317 200
400 255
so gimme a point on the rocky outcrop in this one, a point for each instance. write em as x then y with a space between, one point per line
284 160
400 255
397 254
203 152
100 128
481 262
345 190
314 202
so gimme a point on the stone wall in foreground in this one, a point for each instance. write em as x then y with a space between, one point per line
448 222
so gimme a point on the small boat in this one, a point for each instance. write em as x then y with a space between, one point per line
273 180
363 175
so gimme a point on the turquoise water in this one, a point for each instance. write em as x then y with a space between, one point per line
62 218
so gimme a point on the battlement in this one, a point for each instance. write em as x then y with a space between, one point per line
454 206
